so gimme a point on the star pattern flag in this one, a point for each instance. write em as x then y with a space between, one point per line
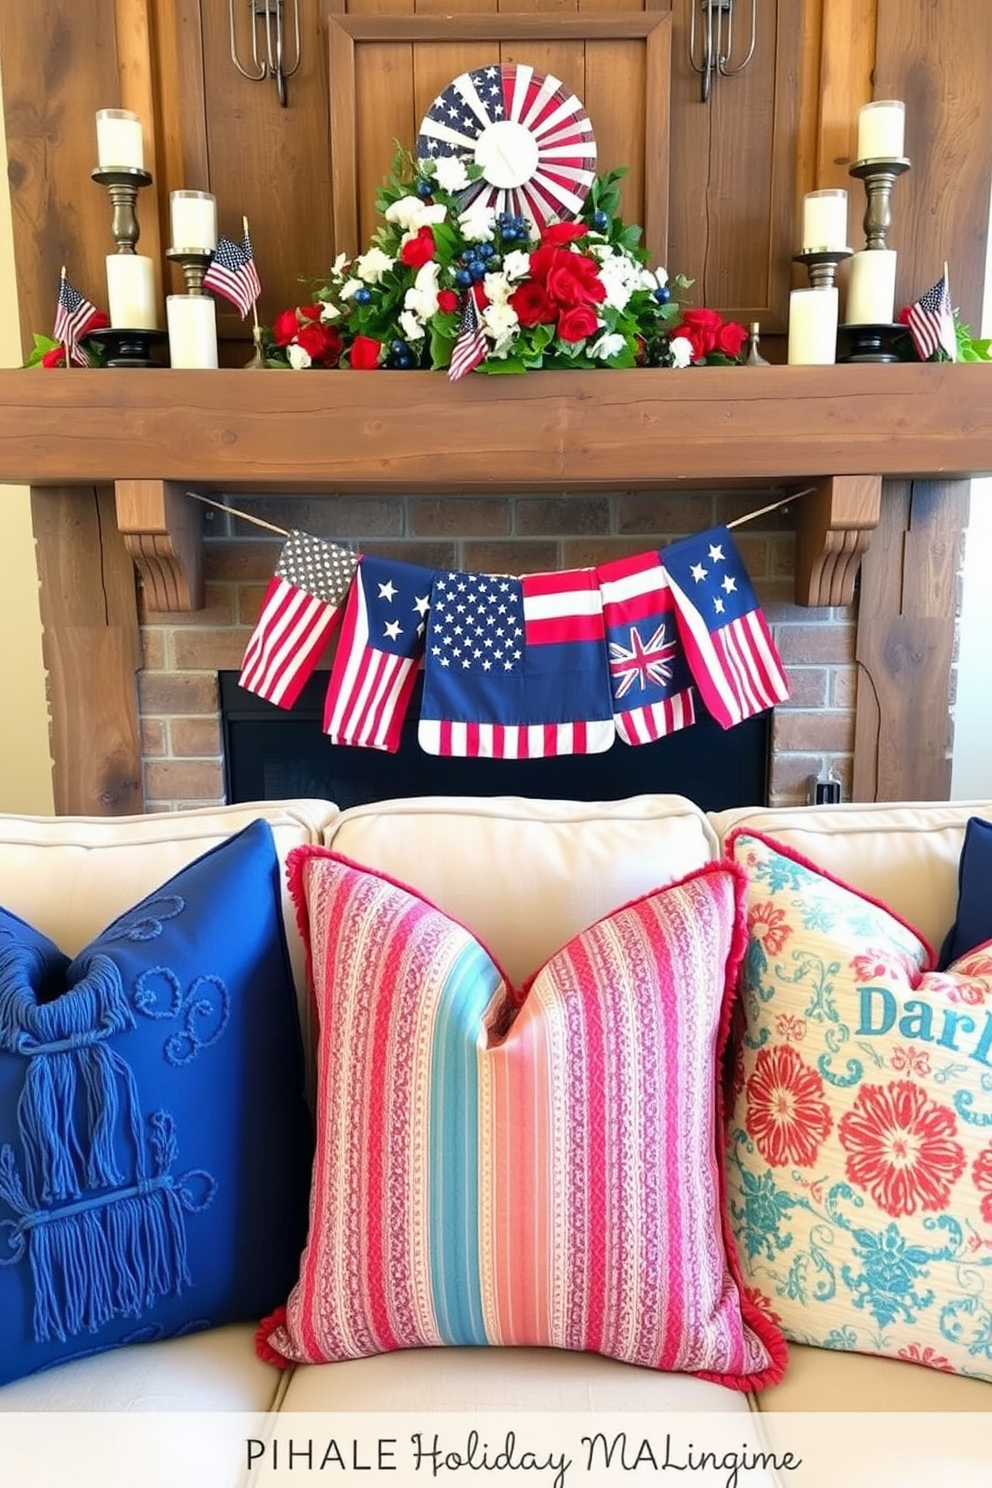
300 611
734 661
516 668
649 674
931 322
470 346
531 136
74 317
232 273
379 650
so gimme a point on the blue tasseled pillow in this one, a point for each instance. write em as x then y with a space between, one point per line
973 923
154 1136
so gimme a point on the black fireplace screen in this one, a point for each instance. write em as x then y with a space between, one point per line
273 754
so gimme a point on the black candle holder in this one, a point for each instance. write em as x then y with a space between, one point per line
128 348
869 343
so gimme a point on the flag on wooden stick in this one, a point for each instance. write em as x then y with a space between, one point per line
470 347
75 317
232 273
931 322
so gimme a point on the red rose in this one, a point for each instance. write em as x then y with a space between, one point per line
903 316
573 279
577 322
309 312
98 320
54 358
563 232
419 250
322 342
730 338
447 300
701 327
364 355
531 303
285 327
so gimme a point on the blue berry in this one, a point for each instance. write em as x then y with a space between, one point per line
485 250
478 272
423 188
463 277
663 294
362 296
600 221
398 348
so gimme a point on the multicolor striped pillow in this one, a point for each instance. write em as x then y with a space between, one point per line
536 1168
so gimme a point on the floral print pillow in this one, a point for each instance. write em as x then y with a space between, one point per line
859 1154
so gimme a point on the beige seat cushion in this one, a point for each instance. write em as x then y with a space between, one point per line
819 1379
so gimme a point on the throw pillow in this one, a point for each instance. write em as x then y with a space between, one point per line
973 922
537 1167
154 1138
859 1156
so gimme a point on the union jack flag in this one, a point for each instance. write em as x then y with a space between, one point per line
516 668
649 673
379 650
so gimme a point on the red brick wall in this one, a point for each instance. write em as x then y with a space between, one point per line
814 731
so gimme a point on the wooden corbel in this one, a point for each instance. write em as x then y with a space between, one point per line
834 524
161 530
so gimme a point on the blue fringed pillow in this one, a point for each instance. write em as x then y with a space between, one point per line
973 922
155 1141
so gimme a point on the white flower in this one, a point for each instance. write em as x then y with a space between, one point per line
339 266
608 345
371 266
421 297
681 349
616 278
654 278
411 326
477 223
329 312
516 265
350 288
497 287
500 323
410 213
297 356
450 173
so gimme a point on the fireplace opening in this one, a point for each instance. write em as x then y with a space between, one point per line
273 754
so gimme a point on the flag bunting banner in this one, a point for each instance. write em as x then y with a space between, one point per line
378 653
74 318
232 273
650 677
734 661
515 668
300 611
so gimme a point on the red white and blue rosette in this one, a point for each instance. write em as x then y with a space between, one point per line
532 138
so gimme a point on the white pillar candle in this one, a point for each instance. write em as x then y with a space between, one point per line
812 327
131 291
193 216
824 220
871 289
881 130
192 322
118 140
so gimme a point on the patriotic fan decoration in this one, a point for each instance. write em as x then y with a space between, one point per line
530 136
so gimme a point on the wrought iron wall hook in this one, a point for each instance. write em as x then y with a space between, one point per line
715 53
274 62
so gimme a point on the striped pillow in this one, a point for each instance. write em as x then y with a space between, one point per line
531 1168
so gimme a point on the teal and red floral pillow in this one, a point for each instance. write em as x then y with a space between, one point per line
859 1153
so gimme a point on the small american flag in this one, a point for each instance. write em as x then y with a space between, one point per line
74 317
931 322
470 347
734 661
301 608
232 273
375 664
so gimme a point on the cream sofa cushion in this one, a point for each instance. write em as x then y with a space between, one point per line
819 1379
526 875
906 856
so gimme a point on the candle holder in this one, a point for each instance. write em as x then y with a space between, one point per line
128 348
821 265
879 177
123 182
869 343
194 263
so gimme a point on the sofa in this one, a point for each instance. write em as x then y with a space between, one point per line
524 876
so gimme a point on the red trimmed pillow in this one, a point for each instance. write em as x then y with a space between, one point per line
539 1167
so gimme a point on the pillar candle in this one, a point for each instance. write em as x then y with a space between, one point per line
824 220
881 130
131 291
812 327
118 139
193 216
192 322
871 289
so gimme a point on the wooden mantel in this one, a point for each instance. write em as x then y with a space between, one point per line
840 428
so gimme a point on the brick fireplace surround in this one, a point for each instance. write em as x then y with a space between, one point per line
182 653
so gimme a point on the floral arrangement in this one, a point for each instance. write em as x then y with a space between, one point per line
47 352
573 294
969 348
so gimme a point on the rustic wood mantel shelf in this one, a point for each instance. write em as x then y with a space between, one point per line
156 433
